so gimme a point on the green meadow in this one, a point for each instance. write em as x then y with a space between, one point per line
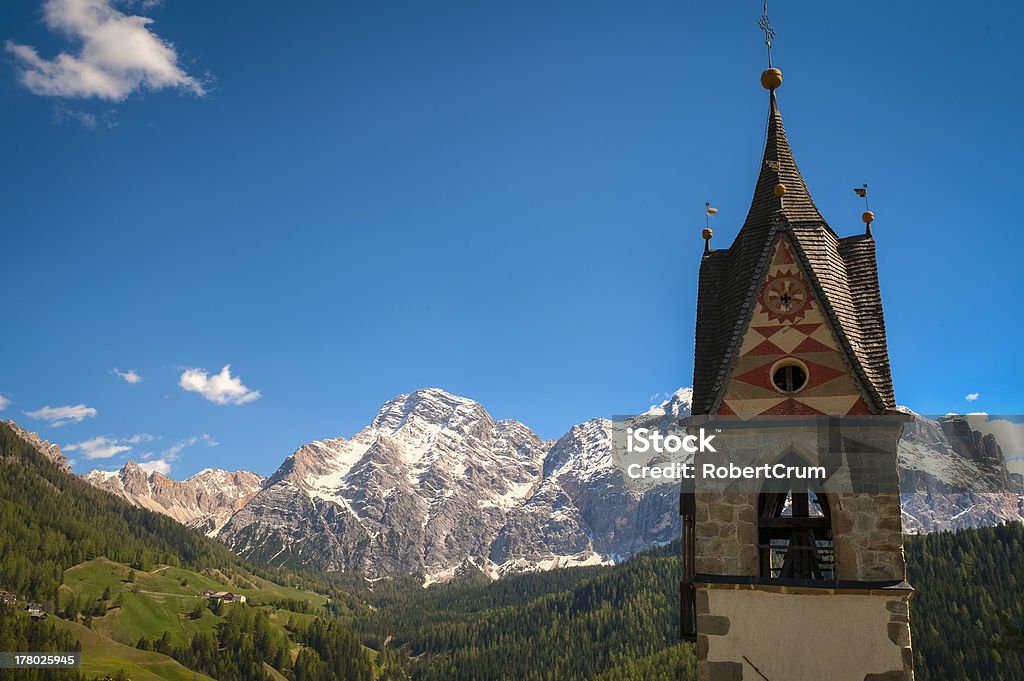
141 604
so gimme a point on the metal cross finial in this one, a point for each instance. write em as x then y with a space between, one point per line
769 33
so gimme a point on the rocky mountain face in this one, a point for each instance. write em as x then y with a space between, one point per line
435 486
204 501
953 477
44 447
426 488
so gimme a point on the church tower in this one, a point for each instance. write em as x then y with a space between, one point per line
794 578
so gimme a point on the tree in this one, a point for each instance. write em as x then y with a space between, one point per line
163 644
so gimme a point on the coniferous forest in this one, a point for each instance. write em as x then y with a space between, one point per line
606 624
968 607
591 623
612 623
20 633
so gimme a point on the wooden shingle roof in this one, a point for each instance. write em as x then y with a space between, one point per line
842 272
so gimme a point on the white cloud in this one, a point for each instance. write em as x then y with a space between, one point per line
129 376
116 54
84 118
90 121
172 452
971 397
103 447
59 416
156 466
4 402
222 388
141 437
99 447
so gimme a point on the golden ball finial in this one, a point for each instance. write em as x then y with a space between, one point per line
771 79
707 233
868 217
780 190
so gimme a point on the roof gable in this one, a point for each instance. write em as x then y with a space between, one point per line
818 322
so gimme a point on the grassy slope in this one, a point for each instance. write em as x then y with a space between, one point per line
157 601
101 655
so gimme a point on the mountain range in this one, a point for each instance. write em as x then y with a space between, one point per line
204 501
435 486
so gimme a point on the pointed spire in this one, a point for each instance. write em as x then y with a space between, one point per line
780 189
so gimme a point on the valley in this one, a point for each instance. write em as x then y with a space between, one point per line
131 588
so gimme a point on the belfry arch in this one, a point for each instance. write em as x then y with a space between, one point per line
794 527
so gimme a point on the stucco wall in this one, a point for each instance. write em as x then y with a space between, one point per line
800 636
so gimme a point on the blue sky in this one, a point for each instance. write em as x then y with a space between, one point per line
344 202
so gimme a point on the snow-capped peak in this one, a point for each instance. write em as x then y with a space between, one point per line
678 404
432 406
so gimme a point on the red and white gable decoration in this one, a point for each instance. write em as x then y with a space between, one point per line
788 324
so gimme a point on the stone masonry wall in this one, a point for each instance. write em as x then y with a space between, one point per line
863 495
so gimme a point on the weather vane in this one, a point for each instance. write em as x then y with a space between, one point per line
769 33
868 217
709 212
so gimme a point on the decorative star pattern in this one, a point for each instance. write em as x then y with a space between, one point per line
788 323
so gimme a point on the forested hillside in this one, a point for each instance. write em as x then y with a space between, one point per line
20 633
612 624
50 520
126 587
622 623
969 605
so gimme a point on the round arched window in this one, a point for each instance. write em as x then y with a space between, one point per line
789 375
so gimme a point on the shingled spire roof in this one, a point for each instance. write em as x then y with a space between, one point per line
842 272
779 166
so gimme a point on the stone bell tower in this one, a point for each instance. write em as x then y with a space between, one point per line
793 578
